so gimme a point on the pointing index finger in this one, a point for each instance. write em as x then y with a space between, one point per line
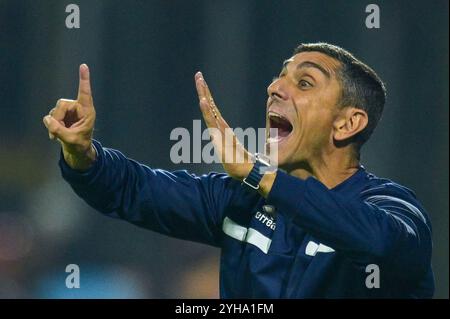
84 88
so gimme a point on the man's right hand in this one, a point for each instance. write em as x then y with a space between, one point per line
71 122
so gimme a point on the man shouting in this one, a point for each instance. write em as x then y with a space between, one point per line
316 226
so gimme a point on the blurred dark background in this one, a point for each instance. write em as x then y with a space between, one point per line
143 56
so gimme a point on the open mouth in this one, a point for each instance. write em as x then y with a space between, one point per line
282 125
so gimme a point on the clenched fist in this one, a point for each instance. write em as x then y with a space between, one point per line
71 122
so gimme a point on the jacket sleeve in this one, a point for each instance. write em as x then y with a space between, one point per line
176 204
386 225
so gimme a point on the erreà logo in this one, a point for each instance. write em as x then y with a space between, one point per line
266 220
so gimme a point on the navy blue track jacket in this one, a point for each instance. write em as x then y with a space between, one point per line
365 238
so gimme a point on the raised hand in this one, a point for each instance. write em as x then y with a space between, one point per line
71 122
236 160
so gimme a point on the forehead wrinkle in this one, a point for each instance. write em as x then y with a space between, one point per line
328 68
309 64
327 62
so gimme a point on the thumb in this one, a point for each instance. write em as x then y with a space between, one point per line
84 88
55 129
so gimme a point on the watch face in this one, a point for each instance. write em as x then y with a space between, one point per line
264 159
264 164
267 169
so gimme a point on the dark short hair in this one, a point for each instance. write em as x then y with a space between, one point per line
361 86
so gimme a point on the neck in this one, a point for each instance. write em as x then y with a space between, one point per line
330 168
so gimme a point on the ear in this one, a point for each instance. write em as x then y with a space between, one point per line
349 122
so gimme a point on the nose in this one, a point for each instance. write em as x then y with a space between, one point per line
277 89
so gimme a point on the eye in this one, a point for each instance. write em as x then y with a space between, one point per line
304 84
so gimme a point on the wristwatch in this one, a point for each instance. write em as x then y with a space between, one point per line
262 166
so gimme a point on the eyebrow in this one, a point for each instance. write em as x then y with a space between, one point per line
309 64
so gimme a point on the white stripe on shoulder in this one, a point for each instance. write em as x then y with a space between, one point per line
372 189
413 209
408 228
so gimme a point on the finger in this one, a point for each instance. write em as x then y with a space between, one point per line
55 129
209 98
84 88
50 135
61 108
205 108
207 94
200 86
208 116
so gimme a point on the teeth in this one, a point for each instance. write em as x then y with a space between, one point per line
273 140
275 115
